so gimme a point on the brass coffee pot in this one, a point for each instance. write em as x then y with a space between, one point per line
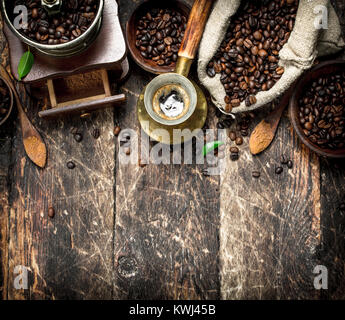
189 46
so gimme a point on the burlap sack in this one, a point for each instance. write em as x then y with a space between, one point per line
305 43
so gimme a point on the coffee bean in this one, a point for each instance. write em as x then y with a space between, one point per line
279 170
220 125
51 212
232 135
96 133
239 141
289 164
234 156
75 17
283 159
234 150
322 112
78 137
247 59
159 35
70 165
256 174
117 131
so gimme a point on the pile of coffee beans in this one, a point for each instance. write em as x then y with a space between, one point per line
75 18
5 100
159 35
248 57
322 111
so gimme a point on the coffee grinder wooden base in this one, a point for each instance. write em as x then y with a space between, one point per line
77 84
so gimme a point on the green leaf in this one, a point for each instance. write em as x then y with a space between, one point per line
25 64
210 146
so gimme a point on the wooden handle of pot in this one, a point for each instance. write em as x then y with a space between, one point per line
195 28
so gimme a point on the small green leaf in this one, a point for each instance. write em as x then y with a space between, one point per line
210 146
25 64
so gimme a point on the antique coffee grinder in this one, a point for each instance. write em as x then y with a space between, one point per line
83 59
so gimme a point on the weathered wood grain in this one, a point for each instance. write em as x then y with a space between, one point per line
269 227
166 233
69 256
164 236
5 163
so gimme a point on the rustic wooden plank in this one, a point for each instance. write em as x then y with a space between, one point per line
69 256
166 235
332 249
5 162
270 226
166 239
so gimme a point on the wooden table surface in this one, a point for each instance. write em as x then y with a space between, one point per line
165 232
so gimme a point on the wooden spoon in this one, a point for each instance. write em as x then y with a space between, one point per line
265 131
33 143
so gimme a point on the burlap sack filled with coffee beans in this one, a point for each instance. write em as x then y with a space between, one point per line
304 44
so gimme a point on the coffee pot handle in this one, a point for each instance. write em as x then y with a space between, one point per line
192 36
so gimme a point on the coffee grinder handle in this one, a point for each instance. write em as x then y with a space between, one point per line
192 36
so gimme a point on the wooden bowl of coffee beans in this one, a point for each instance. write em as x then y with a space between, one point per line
6 101
317 109
154 34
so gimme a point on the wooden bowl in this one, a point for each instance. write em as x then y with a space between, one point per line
11 101
131 29
328 67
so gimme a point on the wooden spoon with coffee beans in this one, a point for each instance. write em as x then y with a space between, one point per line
34 145
265 131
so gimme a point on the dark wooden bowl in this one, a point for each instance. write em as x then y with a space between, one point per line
316 72
131 29
11 101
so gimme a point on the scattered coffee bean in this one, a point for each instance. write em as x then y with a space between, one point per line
205 172
117 131
289 164
51 212
283 159
74 130
248 58
234 156
234 150
96 133
70 165
75 17
5 100
322 111
244 132
256 174
78 137
279 170
159 35
220 125
232 135
239 141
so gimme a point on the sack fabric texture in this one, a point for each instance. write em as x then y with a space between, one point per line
306 42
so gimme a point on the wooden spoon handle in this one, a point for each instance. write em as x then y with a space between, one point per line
195 27
265 131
